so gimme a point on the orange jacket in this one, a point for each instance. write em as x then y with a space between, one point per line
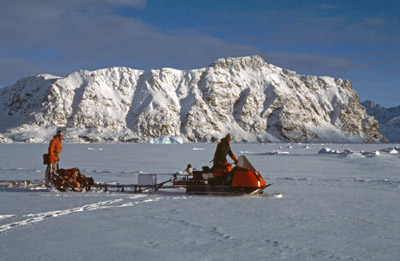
55 148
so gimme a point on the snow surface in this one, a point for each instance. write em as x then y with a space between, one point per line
338 202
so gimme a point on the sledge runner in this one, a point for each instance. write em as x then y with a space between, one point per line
55 148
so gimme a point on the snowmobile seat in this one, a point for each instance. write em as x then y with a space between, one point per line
206 169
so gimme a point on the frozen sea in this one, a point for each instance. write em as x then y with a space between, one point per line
339 202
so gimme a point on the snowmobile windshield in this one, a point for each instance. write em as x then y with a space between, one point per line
245 163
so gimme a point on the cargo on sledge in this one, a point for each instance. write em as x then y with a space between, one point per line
74 180
71 179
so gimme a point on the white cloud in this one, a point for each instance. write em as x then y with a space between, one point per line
131 3
78 37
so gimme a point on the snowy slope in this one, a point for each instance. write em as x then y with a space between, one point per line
388 118
246 96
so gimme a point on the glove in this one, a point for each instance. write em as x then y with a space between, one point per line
51 159
235 159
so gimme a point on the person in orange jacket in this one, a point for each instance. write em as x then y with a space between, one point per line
223 149
55 148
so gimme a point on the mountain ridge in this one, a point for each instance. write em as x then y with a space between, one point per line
253 100
388 118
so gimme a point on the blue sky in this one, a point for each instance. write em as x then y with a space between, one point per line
354 40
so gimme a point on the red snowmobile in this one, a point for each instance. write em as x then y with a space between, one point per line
242 179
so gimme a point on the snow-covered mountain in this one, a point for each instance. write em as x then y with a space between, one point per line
253 100
388 118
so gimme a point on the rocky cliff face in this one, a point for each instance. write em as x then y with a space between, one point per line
247 97
388 118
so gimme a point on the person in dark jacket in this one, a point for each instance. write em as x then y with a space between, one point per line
223 149
55 148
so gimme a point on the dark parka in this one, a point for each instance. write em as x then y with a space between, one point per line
223 149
